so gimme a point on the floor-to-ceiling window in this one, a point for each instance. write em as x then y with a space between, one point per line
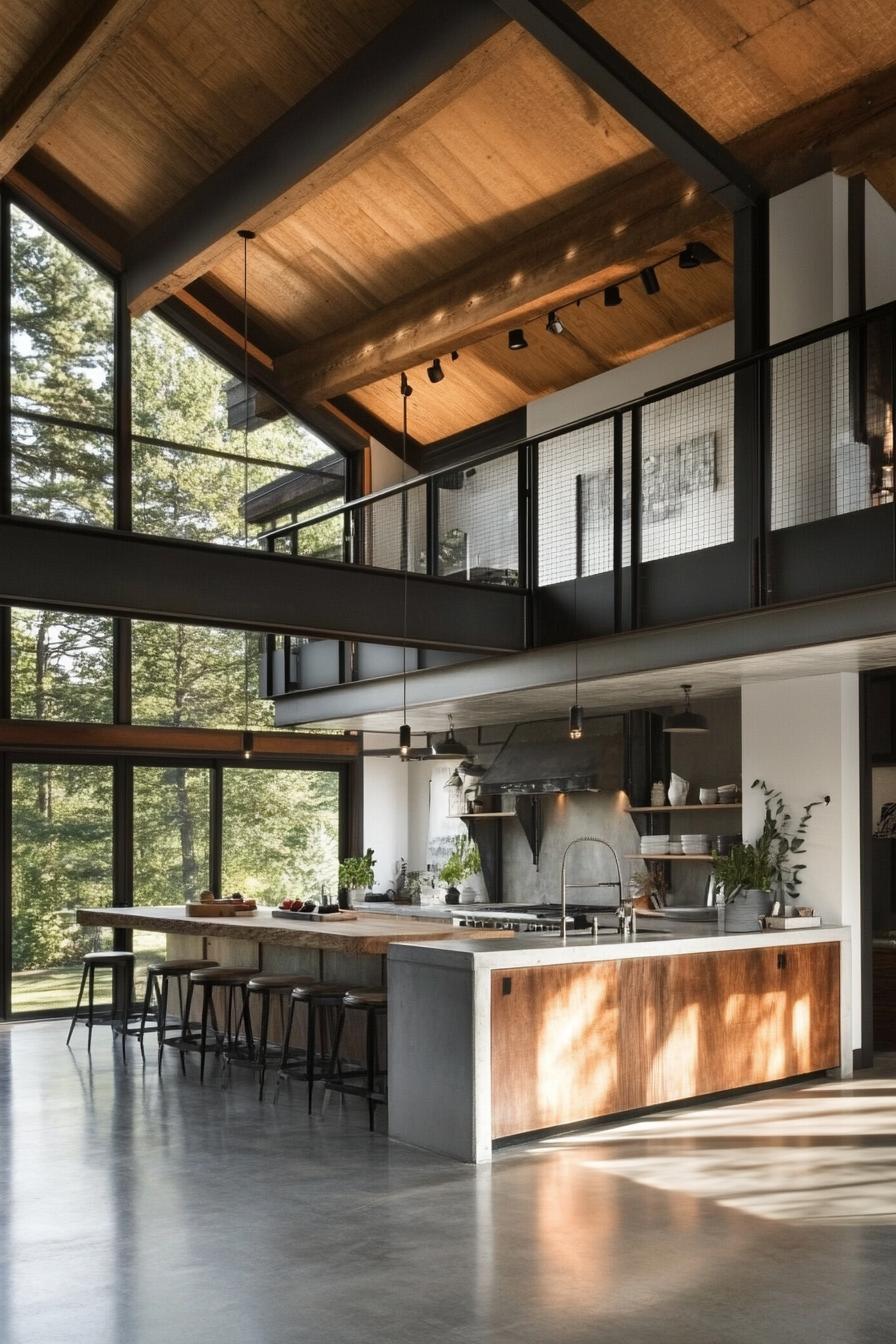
280 832
61 858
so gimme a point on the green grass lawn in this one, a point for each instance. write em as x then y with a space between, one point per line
57 989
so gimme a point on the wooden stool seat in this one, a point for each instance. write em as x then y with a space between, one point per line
278 983
182 967
223 975
366 998
320 997
320 989
109 958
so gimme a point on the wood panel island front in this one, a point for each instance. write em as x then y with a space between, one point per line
488 1041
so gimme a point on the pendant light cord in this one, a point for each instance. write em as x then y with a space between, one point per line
246 235
404 508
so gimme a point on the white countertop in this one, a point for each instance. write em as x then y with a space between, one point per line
544 950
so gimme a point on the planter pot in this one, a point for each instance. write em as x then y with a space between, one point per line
747 910
355 897
452 896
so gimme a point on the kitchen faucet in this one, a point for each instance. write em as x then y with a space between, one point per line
584 840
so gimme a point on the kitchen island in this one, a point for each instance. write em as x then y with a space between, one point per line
492 1040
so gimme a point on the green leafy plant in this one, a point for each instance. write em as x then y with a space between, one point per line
746 866
770 862
782 840
462 862
357 871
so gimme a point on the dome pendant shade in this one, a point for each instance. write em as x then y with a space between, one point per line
687 721
450 748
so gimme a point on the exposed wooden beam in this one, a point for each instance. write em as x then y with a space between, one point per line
22 734
627 223
582 50
588 245
55 73
42 188
338 124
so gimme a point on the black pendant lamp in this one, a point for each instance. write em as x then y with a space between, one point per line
688 721
246 235
450 748
404 732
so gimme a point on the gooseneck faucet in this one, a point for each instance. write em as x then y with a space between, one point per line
574 886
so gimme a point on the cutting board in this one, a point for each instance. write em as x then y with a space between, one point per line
313 917
217 909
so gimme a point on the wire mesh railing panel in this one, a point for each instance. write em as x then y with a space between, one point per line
575 477
687 470
478 513
832 427
394 531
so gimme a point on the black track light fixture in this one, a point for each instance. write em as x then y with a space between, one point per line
454 356
649 280
516 339
612 296
435 373
553 323
696 254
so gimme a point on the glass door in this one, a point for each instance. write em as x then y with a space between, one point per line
61 859
170 845
279 833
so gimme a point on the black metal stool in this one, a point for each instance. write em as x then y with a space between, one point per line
373 1003
320 997
230 979
121 964
158 976
266 986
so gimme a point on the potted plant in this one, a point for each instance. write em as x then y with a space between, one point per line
462 862
356 874
750 874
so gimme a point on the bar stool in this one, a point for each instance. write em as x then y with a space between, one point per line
230 979
266 986
121 964
320 997
158 976
373 1003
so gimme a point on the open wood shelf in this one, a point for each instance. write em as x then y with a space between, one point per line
477 816
670 858
691 807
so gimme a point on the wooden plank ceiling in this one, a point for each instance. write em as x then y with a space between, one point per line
504 188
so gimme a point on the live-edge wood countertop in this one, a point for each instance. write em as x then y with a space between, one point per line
368 934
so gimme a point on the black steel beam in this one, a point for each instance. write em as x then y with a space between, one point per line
855 616
605 70
751 293
422 43
120 574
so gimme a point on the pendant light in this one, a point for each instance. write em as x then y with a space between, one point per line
404 732
688 721
247 235
450 748
576 727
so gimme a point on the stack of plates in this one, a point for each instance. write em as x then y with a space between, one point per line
695 844
654 844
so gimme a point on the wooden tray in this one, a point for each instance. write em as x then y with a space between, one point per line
217 909
313 916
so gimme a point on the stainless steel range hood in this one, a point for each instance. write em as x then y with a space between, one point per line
541 767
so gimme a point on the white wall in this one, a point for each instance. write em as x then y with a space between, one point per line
880 249
386 467
386 814
630 381
808 270
802 736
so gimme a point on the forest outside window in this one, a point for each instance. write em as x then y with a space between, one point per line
61 666
62 356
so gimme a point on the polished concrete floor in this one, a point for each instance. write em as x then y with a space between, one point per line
134 1211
